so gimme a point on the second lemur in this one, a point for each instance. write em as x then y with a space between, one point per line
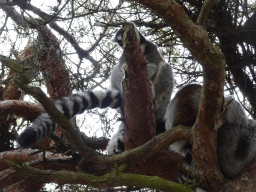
236 145
161 77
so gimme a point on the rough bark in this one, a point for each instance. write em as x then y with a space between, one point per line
138 103
11 91
21 109
195 38
11 178
112 179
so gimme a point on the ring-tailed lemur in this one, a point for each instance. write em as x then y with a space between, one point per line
70 106
160 74
161 77
236 145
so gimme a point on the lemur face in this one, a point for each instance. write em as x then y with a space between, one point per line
118 38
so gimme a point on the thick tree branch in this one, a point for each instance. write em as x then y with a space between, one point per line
195 38
23 109
112 179
54 161
138 101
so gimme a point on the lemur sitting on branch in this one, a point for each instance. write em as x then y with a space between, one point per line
236 144
162 81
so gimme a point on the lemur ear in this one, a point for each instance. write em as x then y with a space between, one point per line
118 37
113 39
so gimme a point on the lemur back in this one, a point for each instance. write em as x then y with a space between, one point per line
161 77
236 145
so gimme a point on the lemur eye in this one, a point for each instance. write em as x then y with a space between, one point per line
120 43
119 38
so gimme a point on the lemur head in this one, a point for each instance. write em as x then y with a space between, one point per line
118 38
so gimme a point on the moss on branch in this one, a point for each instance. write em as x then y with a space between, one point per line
112 179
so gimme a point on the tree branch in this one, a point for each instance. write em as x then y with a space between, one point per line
138 111
112 179
23 109
149 150
205 11
54 161
195 38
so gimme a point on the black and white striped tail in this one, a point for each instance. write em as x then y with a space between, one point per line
70 106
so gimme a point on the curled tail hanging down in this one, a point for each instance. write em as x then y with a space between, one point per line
69 106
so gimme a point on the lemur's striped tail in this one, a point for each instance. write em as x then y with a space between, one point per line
70 106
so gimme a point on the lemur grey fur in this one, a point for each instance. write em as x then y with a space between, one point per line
77 103
161 77
236 145
70 106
